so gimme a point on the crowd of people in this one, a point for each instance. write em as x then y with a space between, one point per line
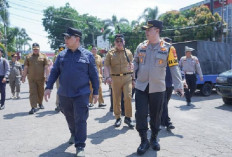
152 73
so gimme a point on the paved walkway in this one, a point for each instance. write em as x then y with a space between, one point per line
204 129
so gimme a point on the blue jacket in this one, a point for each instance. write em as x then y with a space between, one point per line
75 70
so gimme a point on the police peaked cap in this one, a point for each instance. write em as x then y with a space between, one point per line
35 46
153 23
73 32
189 49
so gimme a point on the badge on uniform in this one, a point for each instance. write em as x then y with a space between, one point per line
161 61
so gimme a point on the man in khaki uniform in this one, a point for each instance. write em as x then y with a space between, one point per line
36 67
118 73
190 65
151 59
57 109
98 61
15 76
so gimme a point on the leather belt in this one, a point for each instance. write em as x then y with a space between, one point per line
190 73
123 74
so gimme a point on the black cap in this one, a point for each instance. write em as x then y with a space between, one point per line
14 55
73 32
167 39
153 23
121 36
35 46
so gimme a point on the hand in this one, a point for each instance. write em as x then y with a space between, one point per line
108 80
185 84
201 78
130 67
95 99
23 79
133 83
4 80
47 94
181 92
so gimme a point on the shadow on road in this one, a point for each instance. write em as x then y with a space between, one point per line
164 133
58 152
150 153
110 132
225 107
187 108
45 113
105 118
14 115
104 96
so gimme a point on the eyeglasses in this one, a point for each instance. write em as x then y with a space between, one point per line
67 37
119 41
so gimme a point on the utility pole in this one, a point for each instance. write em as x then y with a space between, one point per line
222 2
212 6
5 29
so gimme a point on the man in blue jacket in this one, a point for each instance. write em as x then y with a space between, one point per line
75 67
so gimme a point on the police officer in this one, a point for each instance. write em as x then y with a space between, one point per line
118 74
75 67
190 65
36 68
15 76
57 109
4 73
98 61
150 61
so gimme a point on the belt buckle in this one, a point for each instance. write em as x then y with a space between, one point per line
120 74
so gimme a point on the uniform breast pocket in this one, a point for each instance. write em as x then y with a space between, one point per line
40 61
82 64
115 60
160 60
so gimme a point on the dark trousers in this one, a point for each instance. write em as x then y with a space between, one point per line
191 82
148 102
3 91
76 112
165 119
111 101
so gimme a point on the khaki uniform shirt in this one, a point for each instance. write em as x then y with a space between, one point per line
117 61
150 64
98 61
190 65
15 69
36 65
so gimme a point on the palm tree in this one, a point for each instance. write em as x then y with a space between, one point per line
149 14
111 26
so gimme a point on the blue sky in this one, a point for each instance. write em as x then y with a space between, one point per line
28 14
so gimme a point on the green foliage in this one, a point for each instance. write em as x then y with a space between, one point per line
195 24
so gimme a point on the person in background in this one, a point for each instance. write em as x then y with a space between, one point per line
15 76
4 73
98 61
36 68
189 66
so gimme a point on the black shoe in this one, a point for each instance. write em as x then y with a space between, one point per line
102 105
91 105
57 109
118 122
188 103
33 110
2 107
143 147
154 144
41 106
170 127
129 122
